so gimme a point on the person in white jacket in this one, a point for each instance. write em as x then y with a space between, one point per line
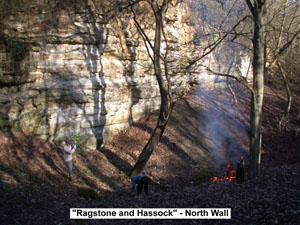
67 156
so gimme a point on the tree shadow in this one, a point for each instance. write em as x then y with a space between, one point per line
117 161
49 160
173 147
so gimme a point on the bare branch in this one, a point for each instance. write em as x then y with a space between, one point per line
239 79
214 45
165 60
250 5
288 91
227 15
130 5
283 49
143 34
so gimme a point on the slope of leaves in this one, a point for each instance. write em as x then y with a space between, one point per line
34 188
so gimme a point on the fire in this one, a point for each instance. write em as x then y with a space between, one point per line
240 175
229 174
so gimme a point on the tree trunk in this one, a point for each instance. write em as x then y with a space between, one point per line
287 88
258 11
148 149
166 99
228 82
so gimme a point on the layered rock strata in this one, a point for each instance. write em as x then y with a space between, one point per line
82 75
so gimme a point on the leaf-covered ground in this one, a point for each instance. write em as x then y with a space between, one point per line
205 132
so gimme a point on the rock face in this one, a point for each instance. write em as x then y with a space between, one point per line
83 71
83 75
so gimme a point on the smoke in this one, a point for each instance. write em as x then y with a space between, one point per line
222 125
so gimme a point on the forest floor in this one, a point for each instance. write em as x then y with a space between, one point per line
205 132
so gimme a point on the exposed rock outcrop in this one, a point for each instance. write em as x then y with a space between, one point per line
80 73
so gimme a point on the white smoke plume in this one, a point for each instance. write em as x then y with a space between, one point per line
223 126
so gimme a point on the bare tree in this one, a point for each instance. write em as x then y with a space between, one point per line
159 10
282 39
258 11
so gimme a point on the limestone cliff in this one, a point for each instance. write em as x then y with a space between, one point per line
77 72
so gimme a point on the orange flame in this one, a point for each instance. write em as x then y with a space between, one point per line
229 174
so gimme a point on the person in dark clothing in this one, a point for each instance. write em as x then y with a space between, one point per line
240 172
142 182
